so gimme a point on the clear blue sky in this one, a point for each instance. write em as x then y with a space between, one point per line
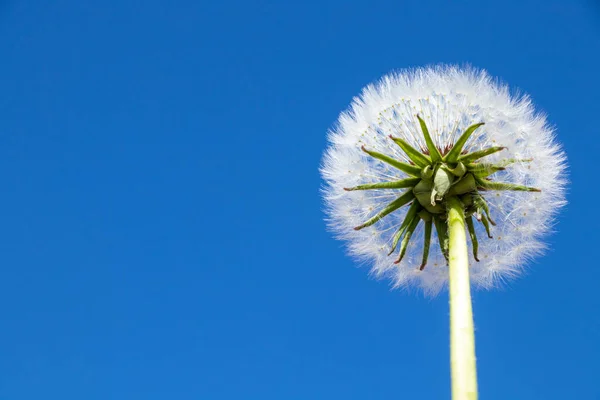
161 228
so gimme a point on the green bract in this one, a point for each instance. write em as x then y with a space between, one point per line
436 176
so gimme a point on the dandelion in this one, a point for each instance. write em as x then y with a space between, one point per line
427 157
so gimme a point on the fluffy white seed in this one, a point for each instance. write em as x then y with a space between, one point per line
449 99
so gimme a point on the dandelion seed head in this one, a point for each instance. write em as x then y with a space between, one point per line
449 99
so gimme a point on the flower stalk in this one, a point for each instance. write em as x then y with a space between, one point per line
462 335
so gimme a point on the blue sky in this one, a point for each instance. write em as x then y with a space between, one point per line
161 228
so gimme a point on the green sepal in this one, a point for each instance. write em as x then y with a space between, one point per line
483 170
467 200
415 155
457 171
425 215
481 204
410 215
391 207
406 239
476 155
506 162
486 224
474 242
454 153
422 191
490 185
466 185
434 153
426 243
401 184
404 167
427 172
442 180
442 234
469 211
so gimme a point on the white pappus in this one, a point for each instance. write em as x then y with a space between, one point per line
449 99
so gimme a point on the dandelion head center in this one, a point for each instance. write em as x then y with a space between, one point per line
433 175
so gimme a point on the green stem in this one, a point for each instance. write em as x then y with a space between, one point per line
462 336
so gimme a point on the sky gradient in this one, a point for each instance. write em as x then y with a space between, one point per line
162 229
